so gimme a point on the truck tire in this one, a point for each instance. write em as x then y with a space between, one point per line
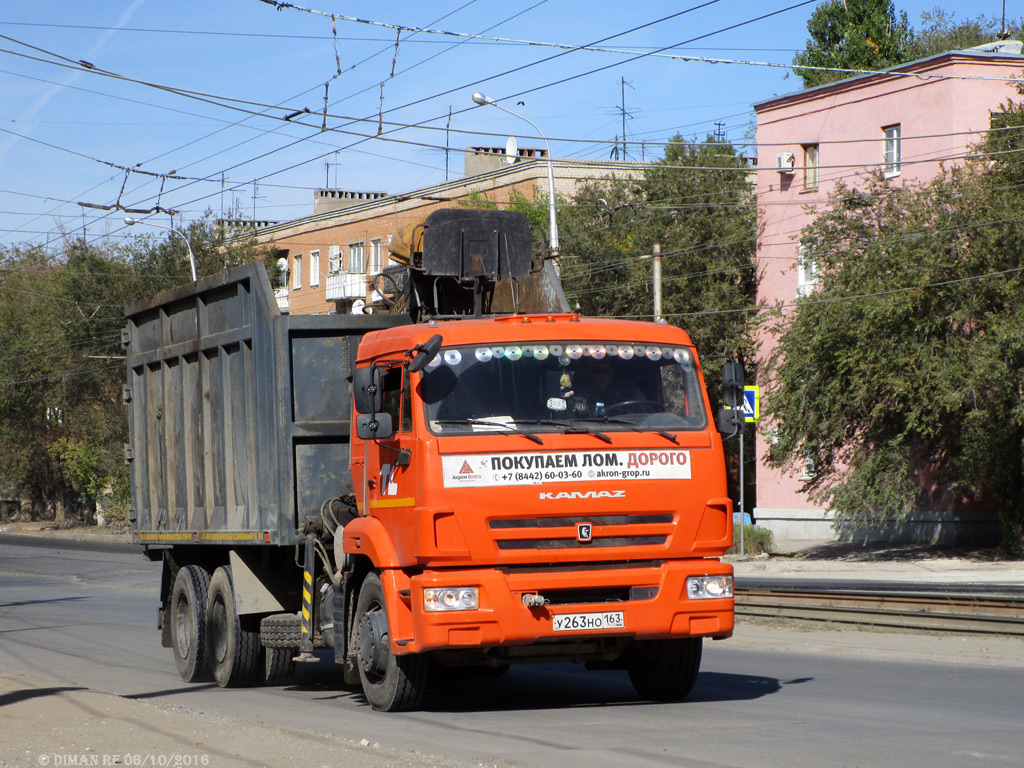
664 670
188 623
281 630
10 512
233 648
278 665
390 683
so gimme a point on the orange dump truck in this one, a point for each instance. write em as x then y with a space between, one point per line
461 491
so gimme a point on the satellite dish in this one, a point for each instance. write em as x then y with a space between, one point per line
511 150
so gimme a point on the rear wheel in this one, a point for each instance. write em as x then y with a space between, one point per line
390 683
234 648
10 512
188 627
664 670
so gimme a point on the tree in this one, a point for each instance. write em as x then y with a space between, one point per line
63 424
854 34
698 204
904 373
941 32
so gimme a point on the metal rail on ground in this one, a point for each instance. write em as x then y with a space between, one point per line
916 611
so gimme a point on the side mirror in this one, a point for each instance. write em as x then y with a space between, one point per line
732 384
366 387
730 422
426 352
374 426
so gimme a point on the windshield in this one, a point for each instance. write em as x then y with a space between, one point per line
558 385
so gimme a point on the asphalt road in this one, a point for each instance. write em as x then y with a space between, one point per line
84 616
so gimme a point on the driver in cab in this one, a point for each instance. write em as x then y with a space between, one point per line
597 391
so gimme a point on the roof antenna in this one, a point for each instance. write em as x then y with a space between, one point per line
1003 34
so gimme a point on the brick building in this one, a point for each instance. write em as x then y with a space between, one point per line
331 256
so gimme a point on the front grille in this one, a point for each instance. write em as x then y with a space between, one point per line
602 541
559 522
608 531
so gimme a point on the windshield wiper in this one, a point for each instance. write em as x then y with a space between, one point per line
509 427
568 427
635 427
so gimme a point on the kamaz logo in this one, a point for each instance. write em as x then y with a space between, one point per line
582 495
584 532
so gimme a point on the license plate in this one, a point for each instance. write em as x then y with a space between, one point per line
582 622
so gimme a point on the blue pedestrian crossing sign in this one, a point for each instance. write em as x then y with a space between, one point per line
751 403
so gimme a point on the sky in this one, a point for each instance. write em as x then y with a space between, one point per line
218 107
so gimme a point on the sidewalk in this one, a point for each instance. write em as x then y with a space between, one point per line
833 560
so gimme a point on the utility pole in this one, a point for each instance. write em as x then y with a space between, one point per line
623 114
656 278
447 143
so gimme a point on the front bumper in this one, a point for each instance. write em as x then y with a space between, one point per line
502 618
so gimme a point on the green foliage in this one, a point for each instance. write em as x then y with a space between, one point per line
698 205
941 32
62 421
906 368
756 541
854 34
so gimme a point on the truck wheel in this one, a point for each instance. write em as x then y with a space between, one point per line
11 512
234 650
390 683
664 670
188 627
278 665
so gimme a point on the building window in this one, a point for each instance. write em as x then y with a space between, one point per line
355 258
891 156
810 166
807 271
376 264
314 268
334 259
296 273
808 469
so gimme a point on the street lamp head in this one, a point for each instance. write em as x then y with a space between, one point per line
479 98
130 220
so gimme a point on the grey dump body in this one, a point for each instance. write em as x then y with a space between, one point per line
239 415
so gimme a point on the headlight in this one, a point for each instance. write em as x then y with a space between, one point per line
451 599
708 587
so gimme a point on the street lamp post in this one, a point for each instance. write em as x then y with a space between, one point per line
480 99
130 221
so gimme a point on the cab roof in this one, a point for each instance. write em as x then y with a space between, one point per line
518 328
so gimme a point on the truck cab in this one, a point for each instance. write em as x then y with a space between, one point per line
543 487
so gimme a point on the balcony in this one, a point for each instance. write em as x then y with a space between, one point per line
346 285
281 294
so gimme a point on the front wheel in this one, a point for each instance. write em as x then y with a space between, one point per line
664 670
390 683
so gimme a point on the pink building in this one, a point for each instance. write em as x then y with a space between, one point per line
907 120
